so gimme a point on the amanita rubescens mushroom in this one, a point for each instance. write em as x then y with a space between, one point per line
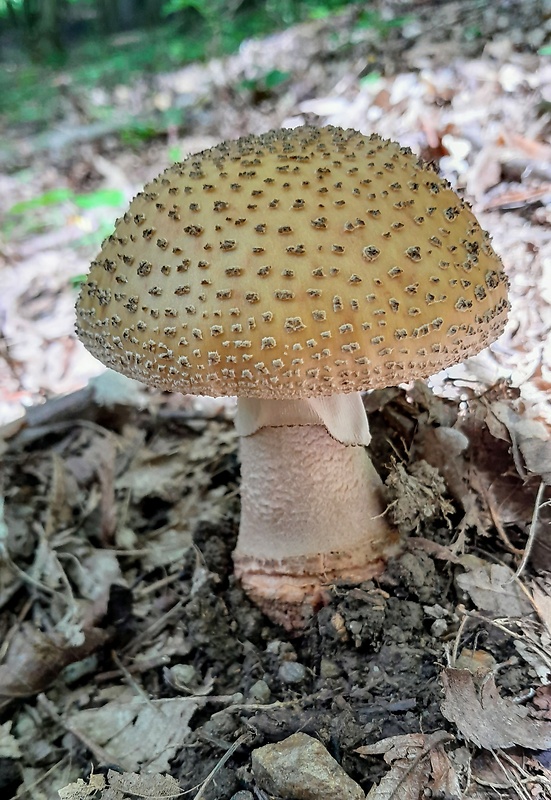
295 270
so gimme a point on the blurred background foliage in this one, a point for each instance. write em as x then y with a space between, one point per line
64 32
76 70
53 43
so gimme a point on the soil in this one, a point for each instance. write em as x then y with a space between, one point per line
168 624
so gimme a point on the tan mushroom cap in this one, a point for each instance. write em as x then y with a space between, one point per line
300 262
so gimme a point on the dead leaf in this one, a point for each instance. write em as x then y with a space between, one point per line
519 197
156 473
9 746
80 790
485 171
151 785
477 662
529 436
35 660
531 651
492 588
139 733
417 762
542 700
542 604
487 719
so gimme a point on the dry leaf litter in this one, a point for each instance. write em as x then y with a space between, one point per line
131 663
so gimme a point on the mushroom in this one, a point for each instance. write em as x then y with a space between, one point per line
296 269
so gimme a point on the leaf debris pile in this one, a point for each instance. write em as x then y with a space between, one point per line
126 641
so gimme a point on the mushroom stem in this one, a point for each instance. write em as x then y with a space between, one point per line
310 515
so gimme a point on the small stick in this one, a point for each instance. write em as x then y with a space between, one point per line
532 534
227 755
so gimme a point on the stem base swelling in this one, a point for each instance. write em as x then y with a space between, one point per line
310 515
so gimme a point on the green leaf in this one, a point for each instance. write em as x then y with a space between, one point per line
174 153
371 77
76 281
51 198
275 77
99 198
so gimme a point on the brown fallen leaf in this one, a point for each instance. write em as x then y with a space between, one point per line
519 197
529 436
153 785
542 604
80 790
35 660
478 662
492 588
433 549
138 733
487 719
418 762
505 773
542 700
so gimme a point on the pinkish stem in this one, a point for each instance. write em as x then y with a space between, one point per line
310 515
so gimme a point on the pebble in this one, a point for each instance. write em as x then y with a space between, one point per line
291 672
439 627
329 669
259 692
300 767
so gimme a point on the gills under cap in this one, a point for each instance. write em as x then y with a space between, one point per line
297 263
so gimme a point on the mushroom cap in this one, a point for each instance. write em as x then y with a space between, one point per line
297 263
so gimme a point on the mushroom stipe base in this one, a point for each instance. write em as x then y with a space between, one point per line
290 598
311 514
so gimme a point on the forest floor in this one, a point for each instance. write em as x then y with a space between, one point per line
126 646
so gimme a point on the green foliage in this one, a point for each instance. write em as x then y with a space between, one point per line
265 83
383 26
76 281
111 198
371 77
97 199
175 6
137 134
57 208
191 30
53 197
275 78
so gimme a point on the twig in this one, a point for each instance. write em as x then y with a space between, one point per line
457 640
23 790
136 668
227 755
4 647
160 584
129 679
512 780
154 628
532 533
497 521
